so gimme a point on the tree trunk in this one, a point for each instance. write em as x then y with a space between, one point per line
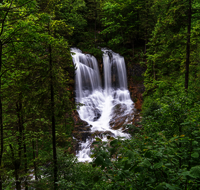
16 163
53 119
95 26
95 33
1 118
25 156
133 48
34 162
35 151
188 47
154 72
154 69
146 26
17 160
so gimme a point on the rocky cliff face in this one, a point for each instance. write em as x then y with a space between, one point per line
135 84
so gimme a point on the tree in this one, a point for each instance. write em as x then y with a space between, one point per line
125 23
170 42
7 9
188 45
26 77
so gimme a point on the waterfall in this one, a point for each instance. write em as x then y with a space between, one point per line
87 74
100 104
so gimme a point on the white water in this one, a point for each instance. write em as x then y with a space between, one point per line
100 103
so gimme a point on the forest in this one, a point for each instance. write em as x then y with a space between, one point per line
37 94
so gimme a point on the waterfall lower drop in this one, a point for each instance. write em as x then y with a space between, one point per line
99 104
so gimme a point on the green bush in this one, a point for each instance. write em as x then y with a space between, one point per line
71 174
150 162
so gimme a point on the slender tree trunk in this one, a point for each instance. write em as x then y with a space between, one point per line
16 163
37 149
34 162
95 33
25 156
133 48
20 139
35 153
188 47
145 46
53 119
154 70
180 145
25 166
146 26
95 26
1 118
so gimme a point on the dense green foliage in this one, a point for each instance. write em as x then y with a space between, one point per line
36 104
34 59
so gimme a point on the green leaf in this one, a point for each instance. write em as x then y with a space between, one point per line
195 155
98 139
146 163
170 186
159 187
185 123
185 173
194 143
158 165
95 142
195 172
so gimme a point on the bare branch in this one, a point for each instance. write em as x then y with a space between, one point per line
2 27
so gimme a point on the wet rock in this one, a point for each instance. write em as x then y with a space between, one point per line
97 114
108 133
82 128
97 133
119 109
118 117
109 54
100 134
79 125
77 120
81 131
117 123
85 136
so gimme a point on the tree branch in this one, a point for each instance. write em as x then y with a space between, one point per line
2 27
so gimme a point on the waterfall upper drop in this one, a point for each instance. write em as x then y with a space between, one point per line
101 105
87 74
114 71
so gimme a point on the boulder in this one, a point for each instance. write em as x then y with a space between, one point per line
77 120
97 114
119 118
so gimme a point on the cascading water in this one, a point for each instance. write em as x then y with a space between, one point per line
100 104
